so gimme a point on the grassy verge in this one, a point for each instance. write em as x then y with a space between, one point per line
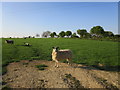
41 67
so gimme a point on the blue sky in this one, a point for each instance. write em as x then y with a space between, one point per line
29 18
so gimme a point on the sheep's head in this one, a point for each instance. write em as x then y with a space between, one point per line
55 49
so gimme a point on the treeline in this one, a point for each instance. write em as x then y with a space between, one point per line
96 32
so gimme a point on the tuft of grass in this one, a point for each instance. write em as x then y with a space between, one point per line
64 61
35 58
16 60
6 87
41 67
4 83
4 70
68 75
25 63
30 60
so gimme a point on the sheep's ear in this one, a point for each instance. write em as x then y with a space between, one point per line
52 47
57 47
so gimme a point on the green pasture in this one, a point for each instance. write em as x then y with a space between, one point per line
90 52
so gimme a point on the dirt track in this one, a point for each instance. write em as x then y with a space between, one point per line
24 74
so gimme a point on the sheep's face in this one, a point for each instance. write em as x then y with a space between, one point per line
55 49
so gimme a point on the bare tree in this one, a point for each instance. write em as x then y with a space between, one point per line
46 34
37 35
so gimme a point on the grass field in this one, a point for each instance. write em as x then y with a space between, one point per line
90 52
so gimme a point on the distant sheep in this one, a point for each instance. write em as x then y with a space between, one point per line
58 55
9 41
26 44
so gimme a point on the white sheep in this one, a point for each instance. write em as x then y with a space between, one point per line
9 41
58 55
26 44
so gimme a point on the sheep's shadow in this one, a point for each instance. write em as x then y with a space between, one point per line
84 67
25 45
96 67
74 65
87 67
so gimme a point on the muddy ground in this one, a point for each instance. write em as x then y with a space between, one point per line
24 74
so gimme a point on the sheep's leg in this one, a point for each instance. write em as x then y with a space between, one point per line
56 63
69 61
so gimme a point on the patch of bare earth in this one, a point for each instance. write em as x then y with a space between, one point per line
24 74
